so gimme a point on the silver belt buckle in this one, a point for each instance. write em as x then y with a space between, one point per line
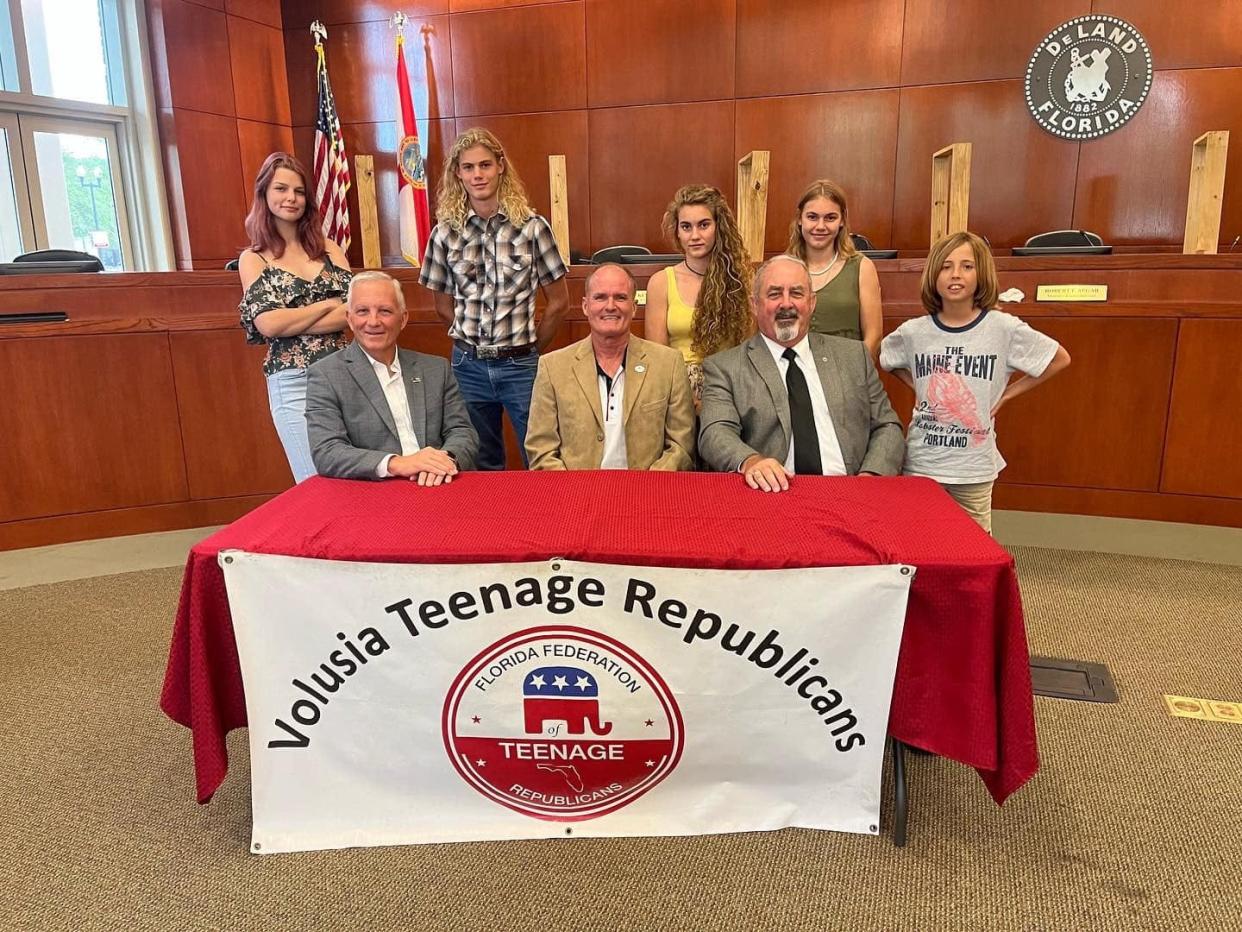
487 352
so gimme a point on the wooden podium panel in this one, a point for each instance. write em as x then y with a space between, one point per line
1203 453
1100 423
89 423
231 446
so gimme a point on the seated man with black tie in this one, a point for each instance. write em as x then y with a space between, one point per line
788 402
375 411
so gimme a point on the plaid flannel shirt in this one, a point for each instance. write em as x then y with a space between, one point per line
492 269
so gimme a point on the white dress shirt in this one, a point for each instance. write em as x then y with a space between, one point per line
830 457
611 399
399 406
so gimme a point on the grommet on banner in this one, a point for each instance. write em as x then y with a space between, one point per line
556 566
569 831
906 570
228 559
257 846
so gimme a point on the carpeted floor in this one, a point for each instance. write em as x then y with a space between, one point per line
1134 822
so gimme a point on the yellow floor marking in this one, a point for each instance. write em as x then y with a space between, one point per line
1211 710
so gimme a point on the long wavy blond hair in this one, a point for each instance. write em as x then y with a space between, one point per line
835 193
452 202
722 317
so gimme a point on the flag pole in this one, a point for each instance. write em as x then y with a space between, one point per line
413 211
319 32
331 165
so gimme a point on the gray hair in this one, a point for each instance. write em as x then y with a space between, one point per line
783 257
611 265
363 277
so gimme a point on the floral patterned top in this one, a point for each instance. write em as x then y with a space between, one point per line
275 288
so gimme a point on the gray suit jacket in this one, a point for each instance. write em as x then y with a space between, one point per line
746 407
351 427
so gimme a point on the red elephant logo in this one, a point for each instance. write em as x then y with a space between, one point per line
562 694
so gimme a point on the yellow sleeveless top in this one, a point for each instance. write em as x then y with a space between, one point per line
680 320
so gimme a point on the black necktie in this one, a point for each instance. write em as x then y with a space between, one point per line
806 441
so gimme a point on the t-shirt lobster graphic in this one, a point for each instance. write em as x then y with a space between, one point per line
953 403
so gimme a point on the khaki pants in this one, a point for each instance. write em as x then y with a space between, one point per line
975 499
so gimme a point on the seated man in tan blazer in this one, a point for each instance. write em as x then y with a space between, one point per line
612 400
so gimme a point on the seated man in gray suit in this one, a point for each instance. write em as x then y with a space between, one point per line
788 402
374 410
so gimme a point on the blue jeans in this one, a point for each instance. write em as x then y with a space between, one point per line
286 395
490 386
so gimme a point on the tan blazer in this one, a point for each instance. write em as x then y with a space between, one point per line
566 426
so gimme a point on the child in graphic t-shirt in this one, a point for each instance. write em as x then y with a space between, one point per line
958 359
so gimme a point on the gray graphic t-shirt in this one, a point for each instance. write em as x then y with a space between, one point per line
959 374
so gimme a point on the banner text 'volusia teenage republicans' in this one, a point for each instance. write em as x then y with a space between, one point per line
396 704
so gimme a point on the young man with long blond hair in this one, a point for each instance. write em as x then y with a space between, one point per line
486 257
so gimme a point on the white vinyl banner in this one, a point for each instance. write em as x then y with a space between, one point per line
399 703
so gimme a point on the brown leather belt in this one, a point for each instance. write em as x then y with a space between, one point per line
495 352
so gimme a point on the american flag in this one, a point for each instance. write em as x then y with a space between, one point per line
332 179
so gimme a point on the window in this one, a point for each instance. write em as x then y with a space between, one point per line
78 149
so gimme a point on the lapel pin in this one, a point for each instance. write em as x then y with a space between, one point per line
640 368
416 378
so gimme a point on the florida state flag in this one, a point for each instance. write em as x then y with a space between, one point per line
413 211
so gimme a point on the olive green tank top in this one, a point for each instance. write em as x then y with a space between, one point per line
838 312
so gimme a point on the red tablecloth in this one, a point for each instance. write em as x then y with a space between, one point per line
963 687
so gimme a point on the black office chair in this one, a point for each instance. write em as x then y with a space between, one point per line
85 261
231 265
867 248
1064 238
615 253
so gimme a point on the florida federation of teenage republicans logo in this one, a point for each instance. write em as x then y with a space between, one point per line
1088 77
410 158
561 723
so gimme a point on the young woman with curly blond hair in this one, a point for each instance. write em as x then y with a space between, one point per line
701 305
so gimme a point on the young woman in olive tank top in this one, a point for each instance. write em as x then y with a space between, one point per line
847 286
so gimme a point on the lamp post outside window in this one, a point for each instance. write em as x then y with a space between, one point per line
91 182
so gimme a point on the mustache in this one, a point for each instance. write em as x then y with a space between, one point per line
787 315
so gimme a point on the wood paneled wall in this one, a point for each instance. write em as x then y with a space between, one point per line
643 97
166 403
221 86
